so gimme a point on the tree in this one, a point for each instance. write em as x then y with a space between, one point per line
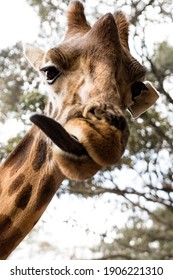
142 239
19 92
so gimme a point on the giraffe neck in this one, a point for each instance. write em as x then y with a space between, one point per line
28 180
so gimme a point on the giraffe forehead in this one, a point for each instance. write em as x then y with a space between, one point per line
60 57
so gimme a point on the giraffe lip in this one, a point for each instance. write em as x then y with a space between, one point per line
59 135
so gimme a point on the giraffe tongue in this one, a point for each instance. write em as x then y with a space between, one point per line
58 135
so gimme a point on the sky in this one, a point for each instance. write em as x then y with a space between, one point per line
17 23
20 23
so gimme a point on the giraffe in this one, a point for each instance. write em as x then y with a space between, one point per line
92 78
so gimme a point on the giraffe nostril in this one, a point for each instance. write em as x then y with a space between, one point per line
119 122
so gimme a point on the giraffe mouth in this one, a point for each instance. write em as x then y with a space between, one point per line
59 135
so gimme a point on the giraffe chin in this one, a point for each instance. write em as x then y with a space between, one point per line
104 145
75 168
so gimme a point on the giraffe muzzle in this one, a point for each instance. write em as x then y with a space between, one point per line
103 143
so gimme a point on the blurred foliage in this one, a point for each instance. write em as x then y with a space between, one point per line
147 163
17 82
141 239
5 149
163 58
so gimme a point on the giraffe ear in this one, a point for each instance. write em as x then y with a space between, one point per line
144 100
34 55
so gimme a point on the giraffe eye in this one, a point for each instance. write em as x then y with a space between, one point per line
52 73
137 89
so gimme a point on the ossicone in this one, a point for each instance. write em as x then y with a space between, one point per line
76 20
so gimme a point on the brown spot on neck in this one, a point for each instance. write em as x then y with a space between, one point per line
5 223
23 197
9 238
7 244
47 188
40 155
9 235
16 184
17 158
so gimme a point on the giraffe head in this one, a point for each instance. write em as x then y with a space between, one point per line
92 79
